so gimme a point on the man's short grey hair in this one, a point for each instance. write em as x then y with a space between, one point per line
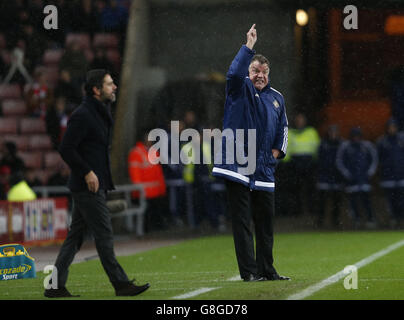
261 59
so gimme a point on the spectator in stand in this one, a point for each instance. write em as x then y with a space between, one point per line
55 117
11 159
303 144
391 155
101 61
34 45
357 161
60 177
114 17
32 179
75 62
173 172
38 95
65 88
142 170
4 181
198 176
329 179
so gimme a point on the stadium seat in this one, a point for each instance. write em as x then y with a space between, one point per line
53 160
32 125
82 38
10 91
40 142
14 107
21 141
8 125
32 160
52 56
105 40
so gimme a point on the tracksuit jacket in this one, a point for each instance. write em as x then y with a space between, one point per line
391 155
357 161
249 108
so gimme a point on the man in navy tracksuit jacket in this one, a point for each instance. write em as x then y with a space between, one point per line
251 103
357 161
391 155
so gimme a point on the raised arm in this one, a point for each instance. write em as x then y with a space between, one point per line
239 67
251 37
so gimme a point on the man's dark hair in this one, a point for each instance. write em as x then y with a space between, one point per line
94 78
261 59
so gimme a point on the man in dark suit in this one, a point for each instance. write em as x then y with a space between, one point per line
85 148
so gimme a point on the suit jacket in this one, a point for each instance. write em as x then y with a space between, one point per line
86 143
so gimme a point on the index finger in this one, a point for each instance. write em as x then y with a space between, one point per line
253 27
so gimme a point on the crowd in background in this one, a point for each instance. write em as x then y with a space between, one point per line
45 96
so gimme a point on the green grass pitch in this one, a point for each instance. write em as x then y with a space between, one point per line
210 262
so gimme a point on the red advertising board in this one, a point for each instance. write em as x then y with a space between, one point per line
33 222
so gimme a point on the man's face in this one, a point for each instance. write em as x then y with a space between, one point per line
108 90
258 74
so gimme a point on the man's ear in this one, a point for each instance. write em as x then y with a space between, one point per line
96 91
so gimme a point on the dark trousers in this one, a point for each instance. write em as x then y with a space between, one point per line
336 200
90 213
395 200
355 198
247 207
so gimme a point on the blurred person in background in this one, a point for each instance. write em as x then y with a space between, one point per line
10 158
198 176
4 181
391 157
141 170
357 161
75 62
38 95
329 179
304 141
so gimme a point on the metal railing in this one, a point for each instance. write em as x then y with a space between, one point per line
128 211
139 210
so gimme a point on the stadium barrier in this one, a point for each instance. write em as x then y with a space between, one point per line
124 208
119 207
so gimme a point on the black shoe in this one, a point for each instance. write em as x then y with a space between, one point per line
253 278
275 276
129 289
59 293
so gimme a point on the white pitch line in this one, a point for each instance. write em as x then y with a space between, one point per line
194 293
339 275
235 278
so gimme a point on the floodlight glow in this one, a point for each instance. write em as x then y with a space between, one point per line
301 17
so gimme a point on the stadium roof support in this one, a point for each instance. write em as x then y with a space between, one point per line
135 62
